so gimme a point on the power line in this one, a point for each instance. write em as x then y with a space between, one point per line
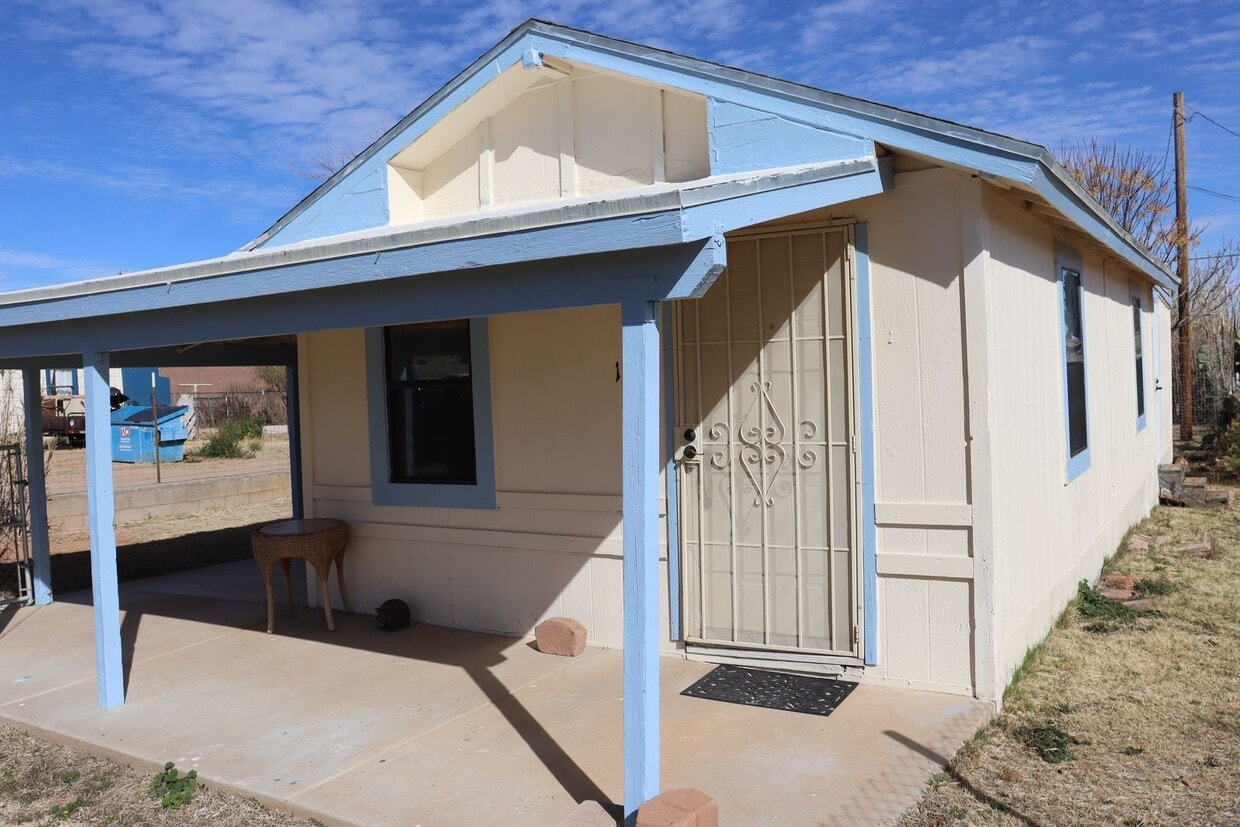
1197 112
1222 195
1216 255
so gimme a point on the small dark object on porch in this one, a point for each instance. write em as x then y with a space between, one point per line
393 615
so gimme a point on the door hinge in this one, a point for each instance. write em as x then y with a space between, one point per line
856 634
852 442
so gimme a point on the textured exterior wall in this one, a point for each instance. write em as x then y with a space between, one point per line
553 544
1050 533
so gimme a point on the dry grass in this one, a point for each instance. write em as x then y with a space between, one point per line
1153 705
43 784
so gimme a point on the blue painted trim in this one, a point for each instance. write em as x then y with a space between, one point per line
744 139
49 382
671 474
375 298
386 492
207 354
36 491
101 514
292 405
865 368
640 453
1067 258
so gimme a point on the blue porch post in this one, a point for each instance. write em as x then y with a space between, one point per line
101 513
292 406
640 432
36 488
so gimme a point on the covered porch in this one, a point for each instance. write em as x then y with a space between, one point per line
438 726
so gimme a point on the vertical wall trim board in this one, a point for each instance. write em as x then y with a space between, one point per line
657 148
671 483
975 259
640 428
568 138
865 362
36 490
102 510
486 165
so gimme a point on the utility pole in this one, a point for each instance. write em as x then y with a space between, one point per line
1181 231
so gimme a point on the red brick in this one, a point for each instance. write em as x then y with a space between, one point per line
560 636
1204 549
1142 605
679 808
1127 582
1117 594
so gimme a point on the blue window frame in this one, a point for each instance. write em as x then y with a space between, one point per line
1138 334
1072 335
429 398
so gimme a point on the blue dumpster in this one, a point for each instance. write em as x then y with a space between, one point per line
133 433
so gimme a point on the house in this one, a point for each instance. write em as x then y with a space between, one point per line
722 366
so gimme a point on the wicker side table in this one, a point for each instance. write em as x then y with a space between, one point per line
320 542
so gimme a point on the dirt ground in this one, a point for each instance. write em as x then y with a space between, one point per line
149 548
1115 718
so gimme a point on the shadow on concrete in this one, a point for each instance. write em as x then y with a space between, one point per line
474 653
7 613
945 763
136 561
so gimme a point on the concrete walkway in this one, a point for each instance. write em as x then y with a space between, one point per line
439 727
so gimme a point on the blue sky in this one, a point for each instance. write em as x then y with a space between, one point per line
138 133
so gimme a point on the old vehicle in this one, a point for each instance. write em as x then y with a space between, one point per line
64 415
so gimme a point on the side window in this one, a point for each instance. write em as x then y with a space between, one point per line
1076 412
430 414
1136 338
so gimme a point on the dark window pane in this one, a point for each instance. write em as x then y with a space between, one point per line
1074 349
1136 335
430 401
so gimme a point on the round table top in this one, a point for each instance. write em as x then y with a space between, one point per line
293 528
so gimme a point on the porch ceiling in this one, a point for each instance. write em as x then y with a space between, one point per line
652 244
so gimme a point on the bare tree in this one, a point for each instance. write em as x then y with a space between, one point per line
1138 189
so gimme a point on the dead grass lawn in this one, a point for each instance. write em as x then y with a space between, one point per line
1149 710
48 784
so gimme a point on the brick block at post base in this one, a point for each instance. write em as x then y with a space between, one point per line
679 808
560 636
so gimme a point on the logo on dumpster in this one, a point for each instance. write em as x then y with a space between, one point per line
124 432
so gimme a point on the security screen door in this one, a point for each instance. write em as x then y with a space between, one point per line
766 363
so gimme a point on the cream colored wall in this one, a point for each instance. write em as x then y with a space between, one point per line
1162 397
1048 533
553 544
921 481
584 132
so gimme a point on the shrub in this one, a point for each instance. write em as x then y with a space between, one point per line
1229 448
172 788
228 441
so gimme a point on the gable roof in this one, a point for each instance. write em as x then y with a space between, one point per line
1009 161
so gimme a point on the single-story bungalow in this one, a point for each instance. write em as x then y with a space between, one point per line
722 366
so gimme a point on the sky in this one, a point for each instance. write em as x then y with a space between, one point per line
142 133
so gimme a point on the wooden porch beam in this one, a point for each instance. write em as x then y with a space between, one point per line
36 489
101 511
640 426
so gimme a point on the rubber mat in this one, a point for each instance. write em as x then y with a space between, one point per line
773 690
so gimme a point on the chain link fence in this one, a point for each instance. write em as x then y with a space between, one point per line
210 410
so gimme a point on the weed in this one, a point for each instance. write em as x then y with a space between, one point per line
1048 741
69 777
1092 604
66 810
1132 750
1212 762
1154 588
1102 627
958 813
174 789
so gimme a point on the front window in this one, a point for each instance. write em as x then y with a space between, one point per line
430 403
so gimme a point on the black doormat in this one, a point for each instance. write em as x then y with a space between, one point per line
773 690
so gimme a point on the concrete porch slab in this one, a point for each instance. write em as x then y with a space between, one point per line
438 726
